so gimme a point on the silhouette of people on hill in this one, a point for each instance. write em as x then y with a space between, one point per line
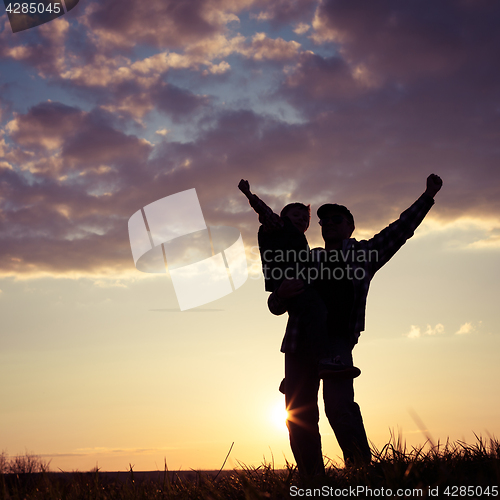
340 275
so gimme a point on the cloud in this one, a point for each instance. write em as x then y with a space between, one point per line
89 177
416 332
79 196
491 241
69 138
280 12
163 132
85 181
325 80
45 50
158 23
386 99
58 209
301 28
176 101
103 70
46 126
3 145
465 329
439 328
262 47
132 87
408 40
217 69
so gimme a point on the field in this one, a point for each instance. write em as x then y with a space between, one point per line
449 470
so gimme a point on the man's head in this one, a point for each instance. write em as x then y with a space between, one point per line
337 224
299 214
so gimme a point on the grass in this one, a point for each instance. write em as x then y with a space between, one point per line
412 471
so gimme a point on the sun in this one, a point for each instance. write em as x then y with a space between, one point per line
279 414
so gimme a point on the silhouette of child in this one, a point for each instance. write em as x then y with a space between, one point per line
285 255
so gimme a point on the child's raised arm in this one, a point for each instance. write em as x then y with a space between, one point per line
266 216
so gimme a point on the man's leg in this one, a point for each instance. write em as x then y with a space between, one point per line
344 414
301 396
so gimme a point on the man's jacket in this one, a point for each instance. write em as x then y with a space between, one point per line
362 259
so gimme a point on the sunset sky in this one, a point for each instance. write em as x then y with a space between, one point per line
120 103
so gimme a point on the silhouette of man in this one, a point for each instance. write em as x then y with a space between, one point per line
345 268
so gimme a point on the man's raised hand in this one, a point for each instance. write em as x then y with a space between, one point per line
434 184
244 187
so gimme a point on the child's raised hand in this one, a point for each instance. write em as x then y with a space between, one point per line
244 186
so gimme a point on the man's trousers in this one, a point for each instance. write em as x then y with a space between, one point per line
301 396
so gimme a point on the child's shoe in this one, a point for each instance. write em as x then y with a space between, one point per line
282 387
336 370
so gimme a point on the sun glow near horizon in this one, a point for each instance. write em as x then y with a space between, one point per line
279 414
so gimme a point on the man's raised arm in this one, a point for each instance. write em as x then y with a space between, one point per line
388 241
434 184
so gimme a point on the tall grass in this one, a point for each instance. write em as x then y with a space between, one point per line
22 464
394 467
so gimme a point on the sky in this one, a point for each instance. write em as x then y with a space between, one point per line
118 104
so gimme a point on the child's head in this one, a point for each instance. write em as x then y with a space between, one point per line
299 214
